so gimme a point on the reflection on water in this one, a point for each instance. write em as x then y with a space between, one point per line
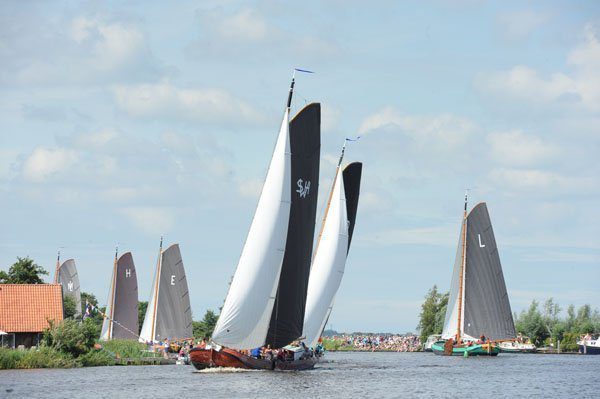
381 375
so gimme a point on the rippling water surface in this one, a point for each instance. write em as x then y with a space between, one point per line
342 375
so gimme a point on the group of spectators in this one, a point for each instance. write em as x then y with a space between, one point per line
388 342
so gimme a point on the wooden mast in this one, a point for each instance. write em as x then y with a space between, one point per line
57 267
462 272
158 266
112 295
337 172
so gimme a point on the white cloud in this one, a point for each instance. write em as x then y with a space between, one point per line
437 235
246 24
152 220
520 24
581 87
532 180
250 188
164 100
44 162
445 130
73 51
525 83
516 148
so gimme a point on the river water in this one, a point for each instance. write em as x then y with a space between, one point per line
342 375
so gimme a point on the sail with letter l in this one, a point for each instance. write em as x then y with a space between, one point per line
288 311
332 250
482 307
246 313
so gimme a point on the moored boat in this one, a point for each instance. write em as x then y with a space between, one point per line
589 345
432 339
518 346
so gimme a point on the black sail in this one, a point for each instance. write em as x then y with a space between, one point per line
125 312
486 304
352 174
287 317
68 278
173 311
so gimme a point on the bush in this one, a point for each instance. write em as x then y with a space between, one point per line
34 358
44 357
9 358
569 342
96 358
121 348
71 337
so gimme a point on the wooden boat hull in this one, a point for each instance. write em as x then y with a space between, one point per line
210 358
473 350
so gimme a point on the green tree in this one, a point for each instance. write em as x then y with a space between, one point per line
531 323
142 306
551 319
204 328
433 310
69 306
23 271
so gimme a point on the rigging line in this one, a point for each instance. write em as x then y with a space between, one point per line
110 319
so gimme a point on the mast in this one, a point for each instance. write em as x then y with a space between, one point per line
57 267
152 330
462 270
337 172
112 296
246 312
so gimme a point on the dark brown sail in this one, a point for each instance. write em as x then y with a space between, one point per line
352 174
305 144
487 308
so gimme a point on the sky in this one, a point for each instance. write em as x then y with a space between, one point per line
124 121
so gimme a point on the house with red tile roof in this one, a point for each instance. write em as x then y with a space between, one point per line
27 309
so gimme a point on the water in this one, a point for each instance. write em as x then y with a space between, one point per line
343 375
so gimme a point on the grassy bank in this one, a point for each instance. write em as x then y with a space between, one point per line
334 345
104 354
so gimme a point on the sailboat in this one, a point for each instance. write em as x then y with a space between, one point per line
168 315
66 275
478 316
121 315
266 300
332 249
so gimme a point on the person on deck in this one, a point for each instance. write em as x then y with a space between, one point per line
255 353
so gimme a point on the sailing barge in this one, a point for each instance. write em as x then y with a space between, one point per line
121 316
266 300
478 314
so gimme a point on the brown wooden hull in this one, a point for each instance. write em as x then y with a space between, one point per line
209 358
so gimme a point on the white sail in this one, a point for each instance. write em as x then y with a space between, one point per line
451 320
147 333
245 316
105 334
328 265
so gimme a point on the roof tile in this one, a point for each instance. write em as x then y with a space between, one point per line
28 307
